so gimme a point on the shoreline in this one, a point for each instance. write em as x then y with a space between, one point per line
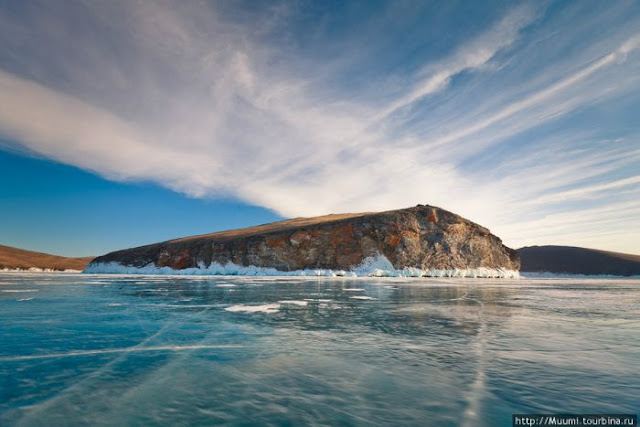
37 270
378 266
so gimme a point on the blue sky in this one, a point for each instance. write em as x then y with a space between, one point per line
129 122
66 210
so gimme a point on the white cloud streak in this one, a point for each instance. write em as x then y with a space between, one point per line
588 191
470 57
71 131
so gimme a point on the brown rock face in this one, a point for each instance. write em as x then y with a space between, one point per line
424 237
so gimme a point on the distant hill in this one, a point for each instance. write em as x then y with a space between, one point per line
572 260
14 258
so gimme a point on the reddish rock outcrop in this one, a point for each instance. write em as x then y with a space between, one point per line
423 237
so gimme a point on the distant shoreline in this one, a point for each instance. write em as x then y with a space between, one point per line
21 260
570 260
38 270
548 275
524 276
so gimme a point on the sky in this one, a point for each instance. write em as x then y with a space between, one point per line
127 122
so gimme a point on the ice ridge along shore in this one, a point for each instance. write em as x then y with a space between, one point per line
371 267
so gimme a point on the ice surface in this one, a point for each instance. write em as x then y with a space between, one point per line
434 350
264 308
135 349
294 302
377 266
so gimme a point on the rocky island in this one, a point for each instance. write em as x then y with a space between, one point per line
418 241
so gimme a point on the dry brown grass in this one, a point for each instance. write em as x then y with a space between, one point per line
15 258
273 227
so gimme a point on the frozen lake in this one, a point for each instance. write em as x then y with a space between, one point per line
157 350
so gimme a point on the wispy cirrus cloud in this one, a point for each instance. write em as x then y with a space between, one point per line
503 126
472 56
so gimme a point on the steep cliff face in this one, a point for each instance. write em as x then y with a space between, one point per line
421 237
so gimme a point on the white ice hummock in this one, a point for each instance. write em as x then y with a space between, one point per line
377 266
